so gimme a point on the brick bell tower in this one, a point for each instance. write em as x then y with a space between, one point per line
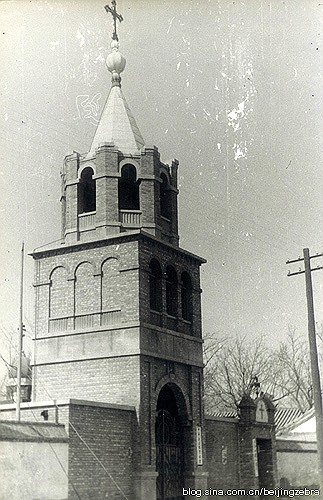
118 308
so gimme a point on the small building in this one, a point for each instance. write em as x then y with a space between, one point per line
25 381
297 461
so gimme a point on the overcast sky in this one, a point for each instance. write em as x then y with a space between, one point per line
232 89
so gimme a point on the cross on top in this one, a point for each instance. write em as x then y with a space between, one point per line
262 410
113 11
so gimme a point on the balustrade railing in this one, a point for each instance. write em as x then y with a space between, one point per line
86 220
84 321
156 318
57 325
130 217
111 317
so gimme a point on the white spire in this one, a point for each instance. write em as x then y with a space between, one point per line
117 124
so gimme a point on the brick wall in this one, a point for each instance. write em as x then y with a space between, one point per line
105 279
101 456
182 262
107 467
59 299
81 275
113 380
222 453
107 164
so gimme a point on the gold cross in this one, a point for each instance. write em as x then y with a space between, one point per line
113 11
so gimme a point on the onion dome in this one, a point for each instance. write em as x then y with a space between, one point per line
115 63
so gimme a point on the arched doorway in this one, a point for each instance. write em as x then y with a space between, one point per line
169 447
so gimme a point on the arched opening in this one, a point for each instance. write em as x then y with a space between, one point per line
58 293
165 198
169 447
186 296
86 192
128 188
155 286
171 291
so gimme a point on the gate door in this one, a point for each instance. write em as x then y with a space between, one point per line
265 463
169 456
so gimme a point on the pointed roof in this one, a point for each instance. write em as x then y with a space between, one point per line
117 125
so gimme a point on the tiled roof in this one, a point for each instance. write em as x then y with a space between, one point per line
283 416
286 416
224 414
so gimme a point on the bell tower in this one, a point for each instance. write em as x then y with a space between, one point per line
118 302
120 185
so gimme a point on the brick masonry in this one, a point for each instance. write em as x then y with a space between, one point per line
100 457
97 339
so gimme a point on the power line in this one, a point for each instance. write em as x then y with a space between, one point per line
59 461
87 446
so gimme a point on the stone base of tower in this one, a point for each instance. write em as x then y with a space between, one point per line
196 481
145 485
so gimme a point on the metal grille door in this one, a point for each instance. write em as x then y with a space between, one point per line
169 444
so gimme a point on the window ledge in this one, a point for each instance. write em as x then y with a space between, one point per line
84 214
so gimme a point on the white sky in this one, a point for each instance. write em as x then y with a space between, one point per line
231 89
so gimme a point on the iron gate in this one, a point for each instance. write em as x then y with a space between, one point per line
169 457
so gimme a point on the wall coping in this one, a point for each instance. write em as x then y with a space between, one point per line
11 430
66 402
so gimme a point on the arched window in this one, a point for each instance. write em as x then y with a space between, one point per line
58 293
155 286
86 290
186 297
86 192
110 295
128 189
171 291
165 197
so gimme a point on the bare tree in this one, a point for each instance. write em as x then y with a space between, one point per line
230 371
232 364
295 376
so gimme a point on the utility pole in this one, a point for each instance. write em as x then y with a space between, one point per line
21 333
317 394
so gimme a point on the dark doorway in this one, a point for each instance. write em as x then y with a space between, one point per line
265 463
169 447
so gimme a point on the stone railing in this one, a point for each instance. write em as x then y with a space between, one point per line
84 321
86 220
57 325
130 217
111 317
